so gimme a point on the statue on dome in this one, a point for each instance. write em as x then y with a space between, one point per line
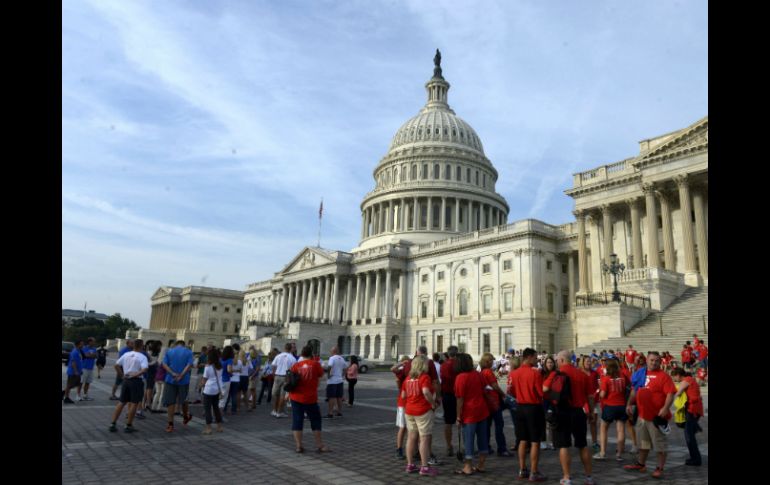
437 63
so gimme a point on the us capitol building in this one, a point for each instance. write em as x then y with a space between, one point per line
439 264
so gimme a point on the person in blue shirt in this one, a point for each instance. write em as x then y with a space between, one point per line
74 370
178 362
89 352
118 378
638 380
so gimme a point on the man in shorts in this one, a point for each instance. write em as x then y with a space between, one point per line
654 401
119 378
74 371
89 351
178 362
336 365
101 361
281 364
130 367
530 416
447 376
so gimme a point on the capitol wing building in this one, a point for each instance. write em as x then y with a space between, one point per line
438 263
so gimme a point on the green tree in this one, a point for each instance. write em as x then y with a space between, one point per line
115 326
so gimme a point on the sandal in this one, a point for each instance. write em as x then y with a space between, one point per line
462 472
478 470
299 450
323 449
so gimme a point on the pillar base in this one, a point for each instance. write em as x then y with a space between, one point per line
693 278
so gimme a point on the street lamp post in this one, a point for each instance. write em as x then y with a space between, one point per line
614 269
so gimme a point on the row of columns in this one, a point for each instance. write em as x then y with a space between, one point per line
320 298
381 217
651 194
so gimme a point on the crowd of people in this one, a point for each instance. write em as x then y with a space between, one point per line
554 401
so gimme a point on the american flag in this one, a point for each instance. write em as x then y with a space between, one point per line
321 209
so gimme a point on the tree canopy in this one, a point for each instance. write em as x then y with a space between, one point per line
114 327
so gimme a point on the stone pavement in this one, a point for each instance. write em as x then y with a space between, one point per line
257 448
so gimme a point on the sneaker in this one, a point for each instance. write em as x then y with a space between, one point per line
634 450
589 481
433 461
79 398
187 419
68 401
113 398
658 473
565 481
428 471
543 445
618 457
129 429
537 477
600 457
282 415
636 467
412 468
113 428
523 474
86 398
273 413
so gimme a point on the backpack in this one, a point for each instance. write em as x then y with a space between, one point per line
292 381
558 397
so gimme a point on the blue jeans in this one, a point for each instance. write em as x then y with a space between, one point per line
481 432
232 397
497 417
690 428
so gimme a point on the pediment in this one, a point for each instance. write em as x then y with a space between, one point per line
308 258
162 292
690 137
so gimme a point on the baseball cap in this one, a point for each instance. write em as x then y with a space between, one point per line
510 351
662 425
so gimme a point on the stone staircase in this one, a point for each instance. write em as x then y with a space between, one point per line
680 320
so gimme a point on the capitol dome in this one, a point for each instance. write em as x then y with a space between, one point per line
435 180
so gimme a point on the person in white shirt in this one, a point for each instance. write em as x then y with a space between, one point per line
281 364
130 367
336 366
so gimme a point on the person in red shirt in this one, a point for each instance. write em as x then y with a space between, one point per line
612 392
549 368
530 416
494 393
304 399
703 355
420 404
472 413
448 399
654 402
695 340
514 362
686 356
593 377
693 412
400 406
630 357
571 424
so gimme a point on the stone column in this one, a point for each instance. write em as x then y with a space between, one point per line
285 310
357 305
363 224
389 217
700 231
653 252
471 217
489 216
685 211
402 297
402 219
668 235
415 219
443 214
388 300
333 315
636 233
571 277
308 297
347 315
607 222
327 305
318 309
430 213
295 301
582 255
457 215
376 312
366 296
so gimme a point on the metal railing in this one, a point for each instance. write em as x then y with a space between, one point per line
606 298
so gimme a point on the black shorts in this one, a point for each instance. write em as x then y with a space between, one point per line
73 381
530 422
449 403
569 424
100 363
614 413
334 391
132 390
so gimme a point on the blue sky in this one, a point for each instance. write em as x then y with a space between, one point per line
199 137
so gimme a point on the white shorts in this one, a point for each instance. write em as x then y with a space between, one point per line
88 376
401 417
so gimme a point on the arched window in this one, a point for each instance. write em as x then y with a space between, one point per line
403 173
414 172
424 171
395 175
459 174
436 170
468 175
463 302
448 172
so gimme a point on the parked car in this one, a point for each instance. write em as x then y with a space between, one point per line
66 348
363 365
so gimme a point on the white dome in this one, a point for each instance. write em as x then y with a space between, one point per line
437 125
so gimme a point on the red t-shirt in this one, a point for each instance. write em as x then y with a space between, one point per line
615 389
580 384
685 356
306 391
470 387
652 397
416 404
527 385
631 355
489 379
448 376
703 352
694 401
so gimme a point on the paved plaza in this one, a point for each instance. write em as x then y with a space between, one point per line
257 448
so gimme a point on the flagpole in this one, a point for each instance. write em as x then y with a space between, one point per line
320 219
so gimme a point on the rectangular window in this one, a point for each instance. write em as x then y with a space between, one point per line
548 265
486 268
227 309
440 308
212 326
486 344
224 327
422 338
550 302
507 341
424 278
213 309
487 303
468 175
424 309
507 265
424 171
237 310
508 295
477 177
440 275
439 343
565 303
564 268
